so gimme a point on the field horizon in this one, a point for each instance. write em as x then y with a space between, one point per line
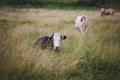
94 56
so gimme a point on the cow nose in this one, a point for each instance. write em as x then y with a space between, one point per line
57 48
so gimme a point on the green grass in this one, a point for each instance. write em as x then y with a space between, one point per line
94 56
52 6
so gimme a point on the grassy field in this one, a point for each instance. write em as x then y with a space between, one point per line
94 56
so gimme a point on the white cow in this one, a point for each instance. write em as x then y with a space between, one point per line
81 23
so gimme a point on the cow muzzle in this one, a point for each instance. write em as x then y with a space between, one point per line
57 48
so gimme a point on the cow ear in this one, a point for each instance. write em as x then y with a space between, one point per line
51 37
64 37
83 18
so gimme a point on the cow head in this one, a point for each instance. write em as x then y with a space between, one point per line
57 37
83 18
117 11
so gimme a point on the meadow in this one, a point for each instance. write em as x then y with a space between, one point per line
94 56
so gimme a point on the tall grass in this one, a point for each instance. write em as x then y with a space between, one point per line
94 56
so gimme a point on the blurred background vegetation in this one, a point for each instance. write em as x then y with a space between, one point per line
60 3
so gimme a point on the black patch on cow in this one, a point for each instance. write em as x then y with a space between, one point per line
44 42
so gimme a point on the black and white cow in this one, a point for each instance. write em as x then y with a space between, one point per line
50 42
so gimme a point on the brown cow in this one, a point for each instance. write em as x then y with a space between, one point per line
108 11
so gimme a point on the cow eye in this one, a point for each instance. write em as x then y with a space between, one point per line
61 37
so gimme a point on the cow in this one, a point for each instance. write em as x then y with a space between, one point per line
81 23
109 11
50 42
